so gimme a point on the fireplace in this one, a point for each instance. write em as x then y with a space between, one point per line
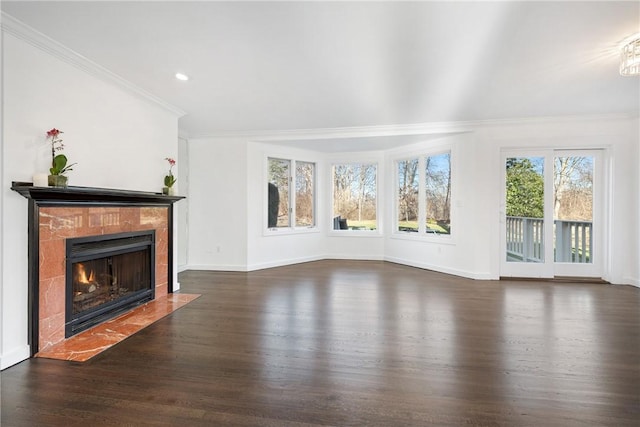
107 275
57 215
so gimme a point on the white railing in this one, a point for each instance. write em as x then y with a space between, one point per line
525 239
525 236
574 241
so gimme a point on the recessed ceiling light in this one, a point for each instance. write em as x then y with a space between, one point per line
182 77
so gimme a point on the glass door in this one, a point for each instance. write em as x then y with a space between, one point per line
577 211
550 212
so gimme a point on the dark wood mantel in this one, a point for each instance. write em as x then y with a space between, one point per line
85 199
91 195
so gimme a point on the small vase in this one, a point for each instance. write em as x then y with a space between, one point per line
40 180
58 181
168 191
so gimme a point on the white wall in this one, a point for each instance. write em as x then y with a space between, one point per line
474 249
614 134
217 204
3 185
182 208
118 138
365 245
463 253
634 131
268 250
237 240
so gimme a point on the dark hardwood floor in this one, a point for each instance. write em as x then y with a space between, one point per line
355 343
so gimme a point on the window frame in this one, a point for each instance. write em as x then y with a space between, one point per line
292 228
422 234
396 195
379 222
424 180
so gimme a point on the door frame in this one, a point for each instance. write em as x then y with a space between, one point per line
601 214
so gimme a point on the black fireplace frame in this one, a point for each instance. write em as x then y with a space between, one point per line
131 242
85 197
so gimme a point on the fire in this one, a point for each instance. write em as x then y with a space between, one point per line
81 275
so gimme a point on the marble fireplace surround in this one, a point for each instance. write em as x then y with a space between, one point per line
56 214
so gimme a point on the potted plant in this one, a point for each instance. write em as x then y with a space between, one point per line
169 179
59 164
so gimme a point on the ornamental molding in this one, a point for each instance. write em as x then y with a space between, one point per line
427 129
24 32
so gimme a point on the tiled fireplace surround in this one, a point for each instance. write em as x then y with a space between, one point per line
56 224
57 214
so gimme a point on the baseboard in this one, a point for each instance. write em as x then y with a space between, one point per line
355 258
282 263
291 261
440 269
633 281
216 267
15 356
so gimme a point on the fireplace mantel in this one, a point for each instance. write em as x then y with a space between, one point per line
55 214
91 195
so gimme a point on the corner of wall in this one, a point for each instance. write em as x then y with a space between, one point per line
15 356
2 186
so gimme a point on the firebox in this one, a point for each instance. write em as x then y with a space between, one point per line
107 275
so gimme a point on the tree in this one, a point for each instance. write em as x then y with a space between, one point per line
525 188
572 188
438 190
305 173
408 190
279 177
354 191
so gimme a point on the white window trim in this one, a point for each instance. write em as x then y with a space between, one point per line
422 235
378 232
291 229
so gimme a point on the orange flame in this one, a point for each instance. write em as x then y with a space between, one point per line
81 275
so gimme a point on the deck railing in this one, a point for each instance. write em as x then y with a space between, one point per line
574 241
524 239
525 236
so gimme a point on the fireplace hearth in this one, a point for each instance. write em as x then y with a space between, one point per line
107 275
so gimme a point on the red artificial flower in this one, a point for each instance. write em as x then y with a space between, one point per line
171 161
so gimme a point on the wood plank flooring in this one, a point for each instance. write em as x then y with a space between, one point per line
355 343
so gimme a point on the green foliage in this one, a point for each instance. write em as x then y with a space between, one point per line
169 180
408 225
525 189
59 165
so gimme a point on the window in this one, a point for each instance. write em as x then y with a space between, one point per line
305 177
278 210
354 197
438 193
424 204
408 200
290 207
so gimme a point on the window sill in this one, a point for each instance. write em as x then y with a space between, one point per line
287 231
443 239
355 233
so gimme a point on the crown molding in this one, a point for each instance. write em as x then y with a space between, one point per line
434 128
343 132
22 31
183 134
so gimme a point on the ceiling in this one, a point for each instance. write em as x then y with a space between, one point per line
271 66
